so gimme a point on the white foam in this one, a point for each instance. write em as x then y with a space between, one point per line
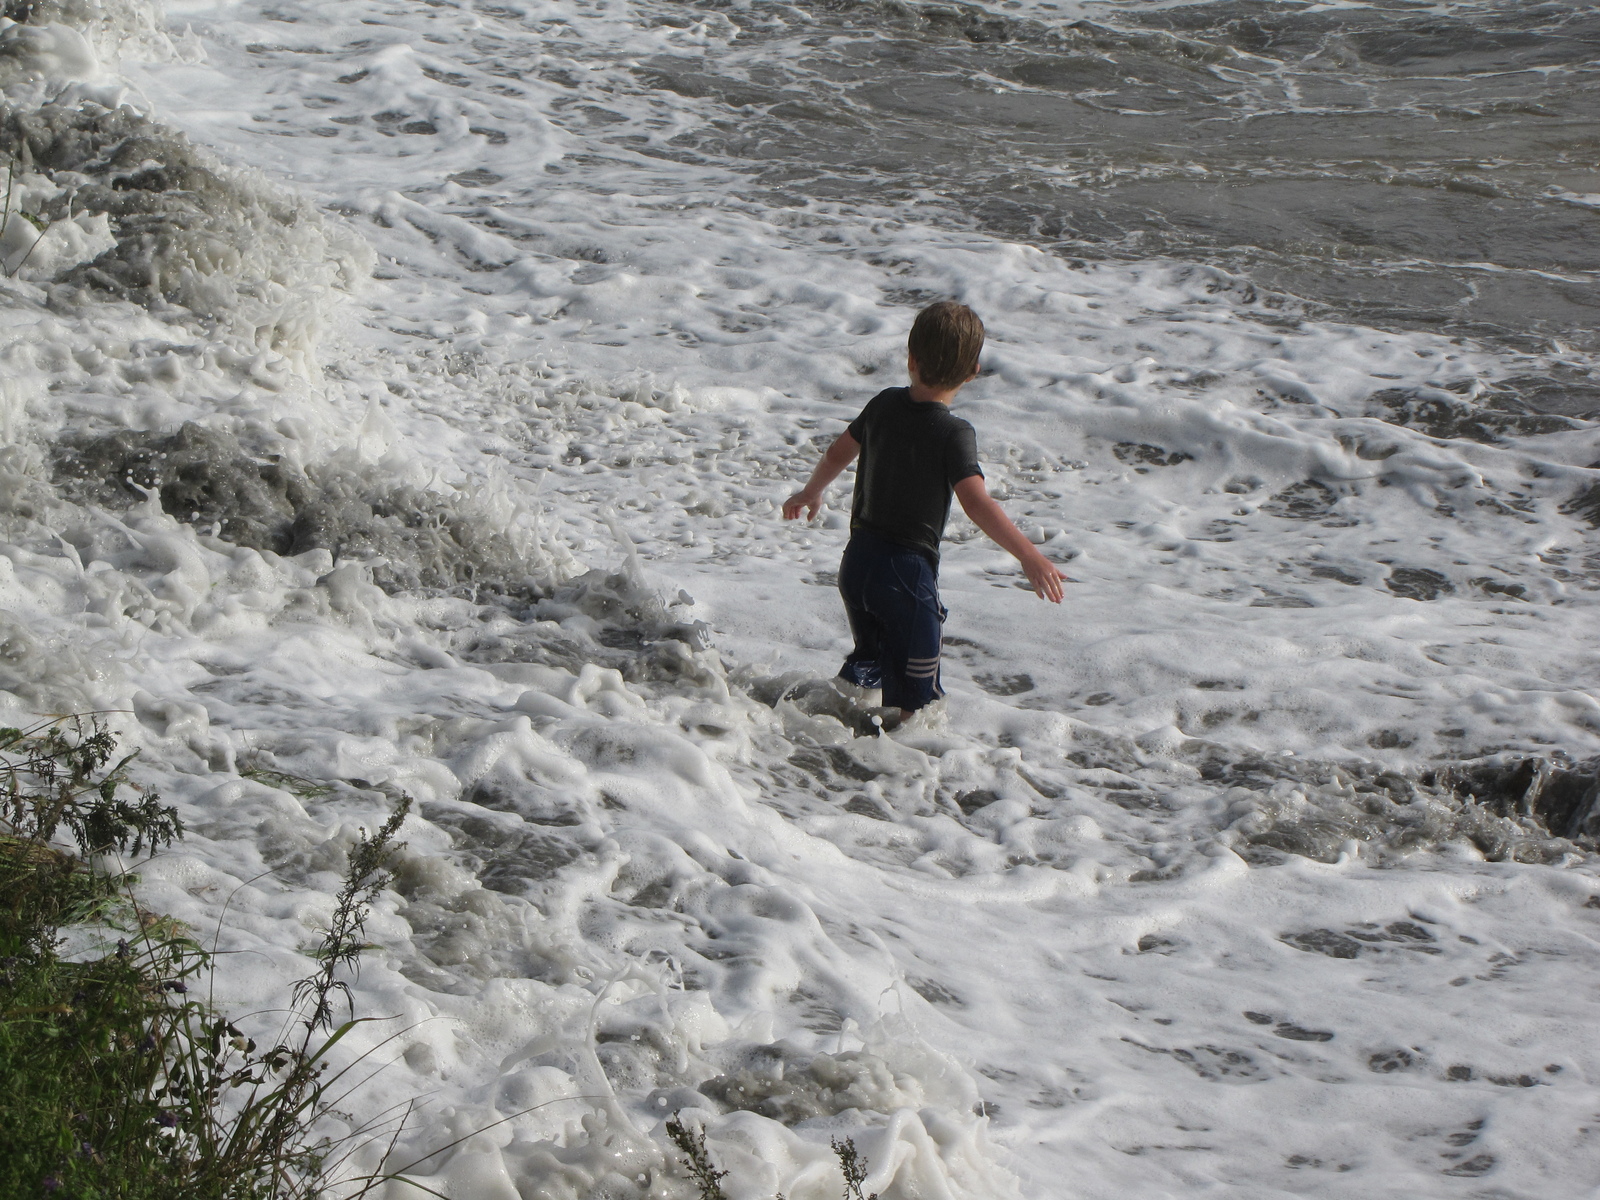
1014 945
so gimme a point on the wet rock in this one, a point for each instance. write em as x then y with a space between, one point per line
1307 500
207 478
1585 505
1296 1033
1324 941
1386 1062
1491 419
1141 456
1418 583
782 1085
1563 798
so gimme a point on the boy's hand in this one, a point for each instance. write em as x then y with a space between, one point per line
804 499
837 457
1045 578
991 518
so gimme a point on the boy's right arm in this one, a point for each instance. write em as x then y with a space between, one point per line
839 456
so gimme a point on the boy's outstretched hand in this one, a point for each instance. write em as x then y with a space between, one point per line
834 460
1045 578
988 516
806 500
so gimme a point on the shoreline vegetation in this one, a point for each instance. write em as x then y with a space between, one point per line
123 1079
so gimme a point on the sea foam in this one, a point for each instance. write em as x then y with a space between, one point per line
453 469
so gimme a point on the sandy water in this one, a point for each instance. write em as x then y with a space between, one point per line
499 341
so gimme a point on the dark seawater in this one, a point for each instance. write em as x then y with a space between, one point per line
1400 165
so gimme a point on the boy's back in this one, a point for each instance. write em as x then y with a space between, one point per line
913 453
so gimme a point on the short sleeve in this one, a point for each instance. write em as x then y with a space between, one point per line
858 428
961 455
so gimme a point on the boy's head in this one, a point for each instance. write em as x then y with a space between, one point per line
944 343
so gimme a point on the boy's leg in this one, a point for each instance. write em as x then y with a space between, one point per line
861 666
913 621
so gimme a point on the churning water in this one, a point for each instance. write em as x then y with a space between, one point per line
1407 165
398 395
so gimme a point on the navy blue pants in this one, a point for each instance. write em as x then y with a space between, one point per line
891 595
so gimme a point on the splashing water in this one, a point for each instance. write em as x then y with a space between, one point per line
409 412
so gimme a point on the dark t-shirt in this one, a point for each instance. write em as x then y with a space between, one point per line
913 453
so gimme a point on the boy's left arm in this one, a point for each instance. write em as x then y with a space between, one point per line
988 516
838 456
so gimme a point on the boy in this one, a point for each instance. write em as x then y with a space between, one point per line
914 455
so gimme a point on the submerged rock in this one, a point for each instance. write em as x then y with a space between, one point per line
1560 797
413 537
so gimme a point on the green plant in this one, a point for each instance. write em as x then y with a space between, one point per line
78 1050
54 774
38 222
854 1167
691 1144
298 785
78 1056
262 1141
120 1080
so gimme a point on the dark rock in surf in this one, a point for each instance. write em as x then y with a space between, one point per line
1586 504
1562 798
1418 583
416 538
1492 418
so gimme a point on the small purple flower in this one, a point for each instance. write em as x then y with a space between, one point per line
147 1043
167 1120
122 948
50 1183
176 985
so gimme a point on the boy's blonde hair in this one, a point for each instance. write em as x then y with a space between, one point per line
945 340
